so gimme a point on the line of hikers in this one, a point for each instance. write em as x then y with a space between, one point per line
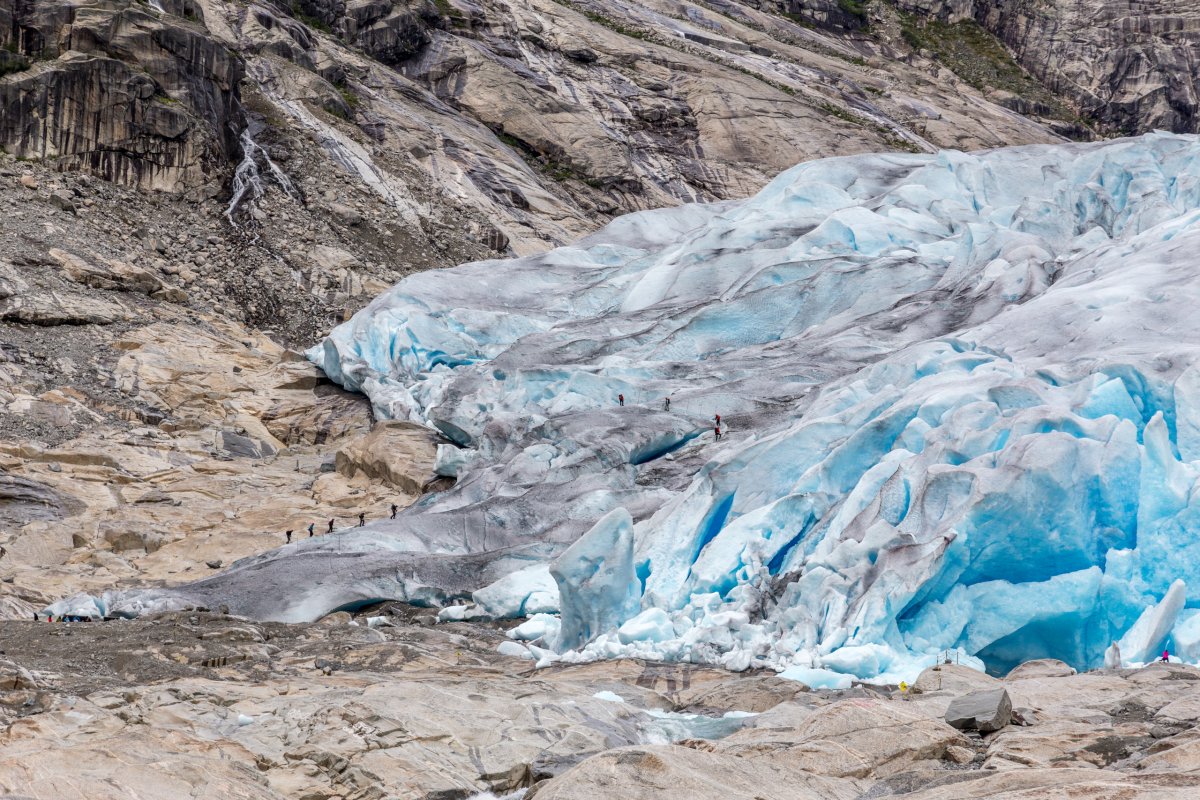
312 526
667 407
61 618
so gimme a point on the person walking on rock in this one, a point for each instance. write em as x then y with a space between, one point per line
621 399
311 525
362 519
718 420
330 525
717 431
666 404
395 508
289 537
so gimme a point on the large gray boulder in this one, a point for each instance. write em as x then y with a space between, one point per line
985 711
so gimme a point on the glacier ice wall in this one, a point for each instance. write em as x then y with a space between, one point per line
960 393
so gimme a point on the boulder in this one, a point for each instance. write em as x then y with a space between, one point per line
108 274
50 309
952 679
1041 668
400 454
849 738
985 711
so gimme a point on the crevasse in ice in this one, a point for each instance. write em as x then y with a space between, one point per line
961 404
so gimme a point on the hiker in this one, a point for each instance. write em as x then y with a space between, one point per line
717 430
621 399
718 418
311 525
362 519
1166 659
35 617
331 525
289 537
395 508
666 404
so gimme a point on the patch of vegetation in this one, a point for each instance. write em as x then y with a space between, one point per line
312 22
892 139
351 103
841 113
978 58
351 99
448 11
549 166
607 22
613 25
855 8
799 20
11 63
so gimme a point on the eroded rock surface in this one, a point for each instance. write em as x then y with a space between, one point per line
1127 64
384 703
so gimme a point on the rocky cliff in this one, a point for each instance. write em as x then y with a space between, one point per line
1129 66
119 90
543 118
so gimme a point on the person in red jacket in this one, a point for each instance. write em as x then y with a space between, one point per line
621 399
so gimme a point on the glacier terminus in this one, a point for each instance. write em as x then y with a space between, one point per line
960 405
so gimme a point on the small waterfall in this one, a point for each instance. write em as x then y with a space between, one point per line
158 6
248 184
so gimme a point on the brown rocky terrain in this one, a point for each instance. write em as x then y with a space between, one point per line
390 705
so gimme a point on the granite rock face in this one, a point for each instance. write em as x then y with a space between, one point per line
1128 65
119 91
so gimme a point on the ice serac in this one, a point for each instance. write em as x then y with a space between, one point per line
596 580
958 393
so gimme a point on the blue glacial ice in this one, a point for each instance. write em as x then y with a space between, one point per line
961 403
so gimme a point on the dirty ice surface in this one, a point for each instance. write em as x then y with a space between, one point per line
960 399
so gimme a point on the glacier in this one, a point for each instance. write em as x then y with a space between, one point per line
960 399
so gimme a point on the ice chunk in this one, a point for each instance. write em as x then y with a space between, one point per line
514 649
80 605
1143 642
450 460
608 696
542 628
652 625
1185 636
817 678
1112 656
596 580
528 591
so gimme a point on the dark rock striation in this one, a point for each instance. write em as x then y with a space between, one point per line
119 91
1130 66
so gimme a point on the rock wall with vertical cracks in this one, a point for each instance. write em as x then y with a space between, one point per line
120 91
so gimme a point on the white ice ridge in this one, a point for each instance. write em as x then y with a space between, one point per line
961 403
